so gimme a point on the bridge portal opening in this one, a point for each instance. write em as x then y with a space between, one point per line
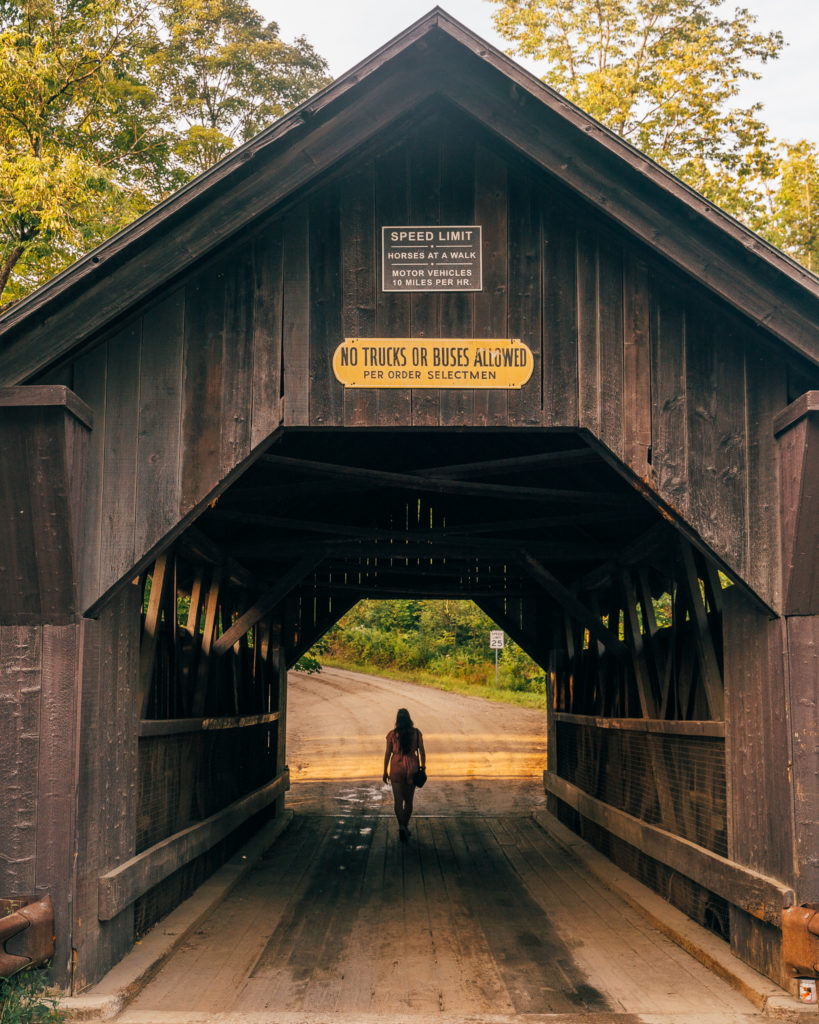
544 532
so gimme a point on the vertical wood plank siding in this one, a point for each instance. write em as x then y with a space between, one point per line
491 309
38 713
673 384
107 778
359 281
761 826
457 311
425 310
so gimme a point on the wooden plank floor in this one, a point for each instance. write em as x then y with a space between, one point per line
475 918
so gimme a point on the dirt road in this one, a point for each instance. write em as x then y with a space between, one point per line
482 758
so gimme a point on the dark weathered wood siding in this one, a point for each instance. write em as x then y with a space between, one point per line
760 820
677 387
42 477
38 720
106 779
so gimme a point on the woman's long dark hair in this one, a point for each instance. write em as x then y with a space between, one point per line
405 730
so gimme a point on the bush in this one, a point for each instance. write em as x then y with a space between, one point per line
25 998
443 639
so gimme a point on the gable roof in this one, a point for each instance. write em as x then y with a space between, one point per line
436 56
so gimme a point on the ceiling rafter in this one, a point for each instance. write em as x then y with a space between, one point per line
415 482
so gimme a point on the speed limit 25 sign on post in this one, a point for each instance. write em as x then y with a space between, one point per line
496 639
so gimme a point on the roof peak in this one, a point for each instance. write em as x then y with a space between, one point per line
487 86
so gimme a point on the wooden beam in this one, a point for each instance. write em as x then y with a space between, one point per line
642 673
39 395
569 457
422 592
709 665
197 544
415 482
411 545
177 726
650 725
150 630
267 602
453 531
200 694
119 888
639 550
195 607
500 574
571 604
756 894
341 607
269 522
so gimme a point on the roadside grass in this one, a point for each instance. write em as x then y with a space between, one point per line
437 681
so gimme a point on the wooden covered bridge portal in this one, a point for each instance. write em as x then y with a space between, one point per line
611 401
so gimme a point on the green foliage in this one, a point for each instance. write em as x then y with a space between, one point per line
79 154
309 662
108 106
438 639
25 999
663 74
226 74
794 201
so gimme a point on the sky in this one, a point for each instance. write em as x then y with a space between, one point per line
347 31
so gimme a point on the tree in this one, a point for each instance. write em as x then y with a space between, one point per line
226 74
107 106
81 153
794 199
663 74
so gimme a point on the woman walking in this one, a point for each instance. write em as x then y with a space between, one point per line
403 757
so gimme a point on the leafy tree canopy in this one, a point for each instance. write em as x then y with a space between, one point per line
794 202
227 74
80 149
107 106
663 74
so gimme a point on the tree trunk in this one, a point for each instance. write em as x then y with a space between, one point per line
8 265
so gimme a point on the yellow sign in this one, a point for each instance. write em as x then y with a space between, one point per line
433 363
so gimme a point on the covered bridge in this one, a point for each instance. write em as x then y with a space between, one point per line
435 333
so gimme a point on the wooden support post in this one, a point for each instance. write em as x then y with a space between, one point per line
195 608
709 665
200 695
150 630
650 638
278 657
797 430
645 687
551 712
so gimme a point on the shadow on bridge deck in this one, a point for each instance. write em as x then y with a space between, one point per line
488 916
476 918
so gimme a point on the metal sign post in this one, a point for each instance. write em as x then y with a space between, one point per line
496 644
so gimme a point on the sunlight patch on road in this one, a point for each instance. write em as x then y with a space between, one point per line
527 762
